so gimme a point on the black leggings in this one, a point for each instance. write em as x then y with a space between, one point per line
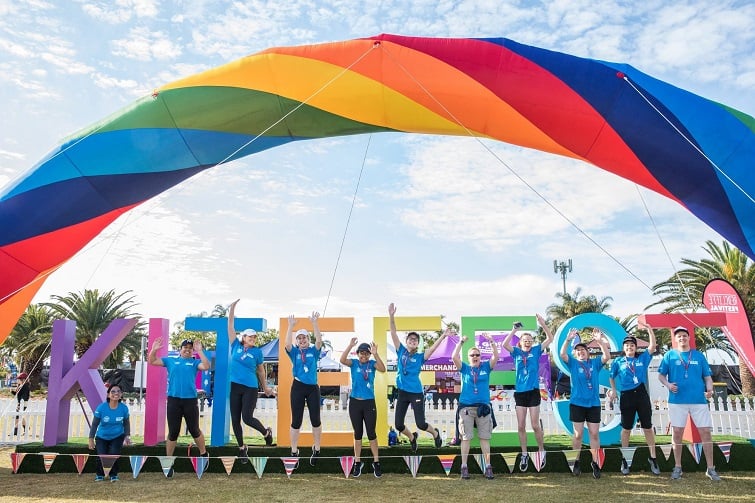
301 393
182 408
363 412
243 402
402 405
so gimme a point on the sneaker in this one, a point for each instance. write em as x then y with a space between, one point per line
654 466
577 469
712 474
524 462
676 473
438 440
542 460
624 467
455 442
595 470
269 437
413 441
356 469
314 456
243 456
489 472
99 478
376 469
464 472
114 478
296 455
206 454
170 473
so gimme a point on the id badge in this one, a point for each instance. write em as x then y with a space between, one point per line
635 380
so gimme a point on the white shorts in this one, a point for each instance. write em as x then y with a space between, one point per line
700 413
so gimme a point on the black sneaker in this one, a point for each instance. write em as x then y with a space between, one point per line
624 467
170 473
577 470
243 456
314 456
356 469
595 470
296 455
413 441
269 437
438 440
205 455
524 462
654 466
376 469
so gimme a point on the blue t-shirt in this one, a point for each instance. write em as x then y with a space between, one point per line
475 384
407 370
304 363
527 366
182 373
362 379
111 420
244 362
585 381
631 372
687 370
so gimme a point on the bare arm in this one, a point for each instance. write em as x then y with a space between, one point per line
392 324
152 357
507 340
231 318
604 347
564 351
316 329
651 337
345 355
708 386
379 365
205 365
548 334
457 350
494 358
262 380
289 343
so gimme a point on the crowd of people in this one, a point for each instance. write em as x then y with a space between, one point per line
684 371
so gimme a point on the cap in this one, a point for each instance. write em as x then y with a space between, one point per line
681 329
187 342
302 332
580 344
248 331
22 375
631 339
364 347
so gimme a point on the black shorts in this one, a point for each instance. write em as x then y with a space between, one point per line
579 414
636 402
529 398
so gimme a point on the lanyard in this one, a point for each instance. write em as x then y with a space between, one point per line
365 371
475 375
303 358
588 371
525 357
685 363
404 361
630 364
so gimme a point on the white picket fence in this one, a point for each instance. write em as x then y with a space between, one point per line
738 420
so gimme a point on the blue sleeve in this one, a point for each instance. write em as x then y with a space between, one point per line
706 366
258 356
663 367
614 368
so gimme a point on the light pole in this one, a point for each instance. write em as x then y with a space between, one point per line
563 268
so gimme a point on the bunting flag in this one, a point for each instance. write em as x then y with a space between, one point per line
107 460
666 450
480 458
346 463
628 454
600 455
80 460
259 465
509 458
200 464
47 459
571 457
228 463
137 462
289 463
413 463
166 463
15 460
696 450
447 461
725 449
539 459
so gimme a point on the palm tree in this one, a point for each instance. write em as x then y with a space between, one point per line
30 340
572 304
93 312
683 292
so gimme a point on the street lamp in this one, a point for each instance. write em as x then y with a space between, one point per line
563 268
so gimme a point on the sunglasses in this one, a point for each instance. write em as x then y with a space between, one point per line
474 355
116 392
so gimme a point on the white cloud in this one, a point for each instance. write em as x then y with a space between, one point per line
120 11
145 45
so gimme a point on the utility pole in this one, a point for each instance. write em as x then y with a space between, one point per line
563 268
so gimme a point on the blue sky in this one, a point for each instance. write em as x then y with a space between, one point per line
440 225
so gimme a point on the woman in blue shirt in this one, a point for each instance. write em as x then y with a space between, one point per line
527 387
362 408
584 402
247 378
410 389
110 430
304 390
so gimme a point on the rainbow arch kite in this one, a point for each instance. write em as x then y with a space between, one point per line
690 149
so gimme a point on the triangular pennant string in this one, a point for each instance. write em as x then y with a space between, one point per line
166 463
628 454
447 461
480 458
571 457
666 450
695 450
47 459
289 463
200 465
538 457
15 460
80 460
259 465
509 458
725 449
107 461
346 463
228 463
413 463
137 462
